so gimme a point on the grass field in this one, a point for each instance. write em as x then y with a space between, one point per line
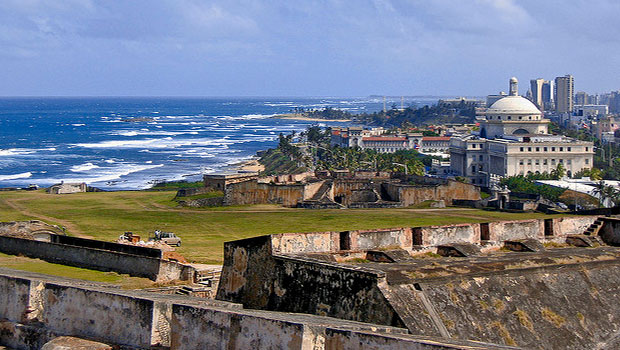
106 215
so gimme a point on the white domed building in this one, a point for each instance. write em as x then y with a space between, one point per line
514 139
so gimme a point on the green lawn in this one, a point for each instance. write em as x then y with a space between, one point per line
106 215
40 266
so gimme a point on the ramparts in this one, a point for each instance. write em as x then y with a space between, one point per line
36 308
555 298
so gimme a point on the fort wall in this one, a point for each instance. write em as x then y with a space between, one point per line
98 259
41 308
411 238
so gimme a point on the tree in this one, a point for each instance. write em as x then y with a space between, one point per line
558 172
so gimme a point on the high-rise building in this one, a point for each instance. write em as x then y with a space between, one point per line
581 98
547 96
536 86
564 89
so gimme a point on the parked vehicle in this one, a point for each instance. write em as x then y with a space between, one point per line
167 237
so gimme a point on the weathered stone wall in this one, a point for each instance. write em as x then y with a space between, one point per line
437 235
97 259
508 230
428 236
248 272
253 192
14 295
330 290
561 307
415 194
344 190
44 307
95 314
381 238
572 225
610 231
199 328
306 243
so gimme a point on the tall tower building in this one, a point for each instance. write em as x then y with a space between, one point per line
564 90
547 95
536 86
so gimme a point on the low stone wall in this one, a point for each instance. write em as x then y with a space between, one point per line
35 308
98 259
429 236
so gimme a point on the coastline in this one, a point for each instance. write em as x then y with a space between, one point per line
249 166
297 116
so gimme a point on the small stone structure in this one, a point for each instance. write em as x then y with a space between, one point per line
338 189
65 188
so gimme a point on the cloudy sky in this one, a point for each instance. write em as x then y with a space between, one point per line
303 48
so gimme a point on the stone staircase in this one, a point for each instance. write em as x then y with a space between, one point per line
593 229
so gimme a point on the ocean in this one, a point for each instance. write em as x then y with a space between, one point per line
124 143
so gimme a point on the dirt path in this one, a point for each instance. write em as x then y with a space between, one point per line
69 226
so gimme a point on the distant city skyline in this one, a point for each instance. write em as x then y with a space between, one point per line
314 48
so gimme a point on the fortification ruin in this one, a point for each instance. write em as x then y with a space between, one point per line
539 283
536 284
362 189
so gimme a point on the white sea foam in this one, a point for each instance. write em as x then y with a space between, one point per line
128 133
16 151
83 167
78 124
15 176
106 174
23 151
166 142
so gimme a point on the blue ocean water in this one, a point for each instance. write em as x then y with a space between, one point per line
48 140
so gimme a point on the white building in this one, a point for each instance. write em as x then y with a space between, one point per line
514 139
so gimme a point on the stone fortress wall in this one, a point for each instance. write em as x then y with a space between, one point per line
35 309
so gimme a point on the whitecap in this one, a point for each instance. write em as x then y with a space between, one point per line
83 167
15 176
78 124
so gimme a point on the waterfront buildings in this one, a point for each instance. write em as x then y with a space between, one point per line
514 139
378 140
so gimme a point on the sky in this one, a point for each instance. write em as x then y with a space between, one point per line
303 48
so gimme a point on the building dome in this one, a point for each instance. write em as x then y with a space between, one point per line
513 105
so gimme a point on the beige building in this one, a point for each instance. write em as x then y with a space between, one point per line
564 90
514 139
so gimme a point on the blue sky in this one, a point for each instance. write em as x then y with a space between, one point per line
303 48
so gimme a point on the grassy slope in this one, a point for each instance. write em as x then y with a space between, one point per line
105 215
